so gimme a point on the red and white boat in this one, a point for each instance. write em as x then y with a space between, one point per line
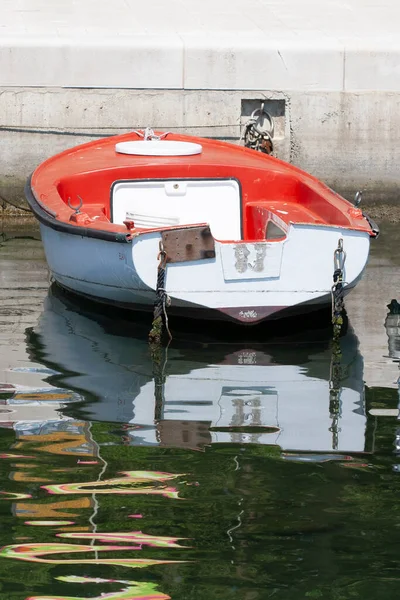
246 237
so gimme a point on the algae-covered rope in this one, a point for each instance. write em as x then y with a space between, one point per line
160 317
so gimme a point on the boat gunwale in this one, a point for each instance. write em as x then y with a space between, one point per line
46 217
49 217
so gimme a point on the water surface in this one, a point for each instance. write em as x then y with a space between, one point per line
239 467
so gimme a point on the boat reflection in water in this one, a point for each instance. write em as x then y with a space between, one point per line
275 392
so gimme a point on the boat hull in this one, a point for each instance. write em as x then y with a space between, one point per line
295 275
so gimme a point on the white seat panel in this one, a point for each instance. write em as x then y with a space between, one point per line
165 202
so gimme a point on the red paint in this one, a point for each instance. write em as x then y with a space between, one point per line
271 189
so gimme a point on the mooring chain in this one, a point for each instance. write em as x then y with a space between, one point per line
159 355
160 316
158 352
337 292
335 405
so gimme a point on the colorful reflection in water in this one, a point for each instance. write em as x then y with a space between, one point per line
8 455
52 510
34 552
14 496
49 523
136 537
119 485
133 591
50 445
255 523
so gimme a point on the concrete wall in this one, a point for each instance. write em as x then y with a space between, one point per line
329 71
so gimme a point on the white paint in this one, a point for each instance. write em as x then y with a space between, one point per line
150 221
305 274
183 202
158 148
128 272
251 261
94 267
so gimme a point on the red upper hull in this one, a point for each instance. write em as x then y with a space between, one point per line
89 171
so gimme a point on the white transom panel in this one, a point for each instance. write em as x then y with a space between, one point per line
165 203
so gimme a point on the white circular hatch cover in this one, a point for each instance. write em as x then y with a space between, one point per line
158 148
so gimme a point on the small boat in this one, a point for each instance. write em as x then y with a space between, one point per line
217 230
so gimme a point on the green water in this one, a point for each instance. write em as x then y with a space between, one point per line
224 472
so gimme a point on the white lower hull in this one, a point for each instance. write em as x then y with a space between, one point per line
290 274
